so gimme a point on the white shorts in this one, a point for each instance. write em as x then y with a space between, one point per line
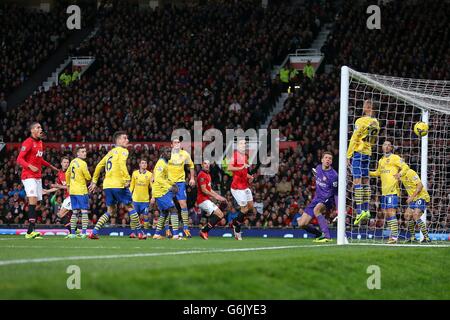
66 204
208 206
242 197
33 188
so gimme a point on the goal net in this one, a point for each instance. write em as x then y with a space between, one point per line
398 104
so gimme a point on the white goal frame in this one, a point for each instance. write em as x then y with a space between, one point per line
343 137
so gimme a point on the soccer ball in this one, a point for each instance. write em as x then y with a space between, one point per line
421 129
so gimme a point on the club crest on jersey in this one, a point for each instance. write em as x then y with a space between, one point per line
23 148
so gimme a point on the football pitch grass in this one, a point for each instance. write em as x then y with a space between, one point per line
220 268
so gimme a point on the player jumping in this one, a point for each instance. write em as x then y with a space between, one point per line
240 186
115 184
204 202
179 158
359 151
163 191
326 195
139 187
417 204
77 176
390 168
31 160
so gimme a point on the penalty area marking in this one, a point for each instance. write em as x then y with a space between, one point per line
154 254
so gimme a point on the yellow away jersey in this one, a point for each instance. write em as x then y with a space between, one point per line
176 165
410 181
77 175
388 166
115 164
161 182
364 136
139 185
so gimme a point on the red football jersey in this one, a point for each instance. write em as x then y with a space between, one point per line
31 152
203 178
61 179
240 180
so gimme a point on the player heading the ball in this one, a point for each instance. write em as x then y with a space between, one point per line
359 151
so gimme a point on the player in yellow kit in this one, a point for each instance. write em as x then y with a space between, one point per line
418 198
390 168
140 188
179 158
359 151
163 191
77 176
116 183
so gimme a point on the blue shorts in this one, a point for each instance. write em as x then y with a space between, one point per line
390 201
118 196
181 194
418 204
360 165
165 202
141 207
310 208
79 202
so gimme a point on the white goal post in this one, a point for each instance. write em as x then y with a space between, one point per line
399 103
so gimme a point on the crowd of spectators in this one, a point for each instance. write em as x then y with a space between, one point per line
160 70
412 42
28 38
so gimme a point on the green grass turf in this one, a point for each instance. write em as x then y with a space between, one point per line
309 272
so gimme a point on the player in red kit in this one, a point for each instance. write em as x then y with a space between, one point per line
204 202
31 160
60 184
240 186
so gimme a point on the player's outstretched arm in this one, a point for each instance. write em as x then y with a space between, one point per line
375 173
231 167
67 174
21 158
97 171
45 163
355 137
124 169
86 173
133 182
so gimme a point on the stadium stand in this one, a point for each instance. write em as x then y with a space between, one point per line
128 89
222 53
30 37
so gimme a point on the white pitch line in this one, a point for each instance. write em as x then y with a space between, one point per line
98 247
58 247
154 254
402 245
